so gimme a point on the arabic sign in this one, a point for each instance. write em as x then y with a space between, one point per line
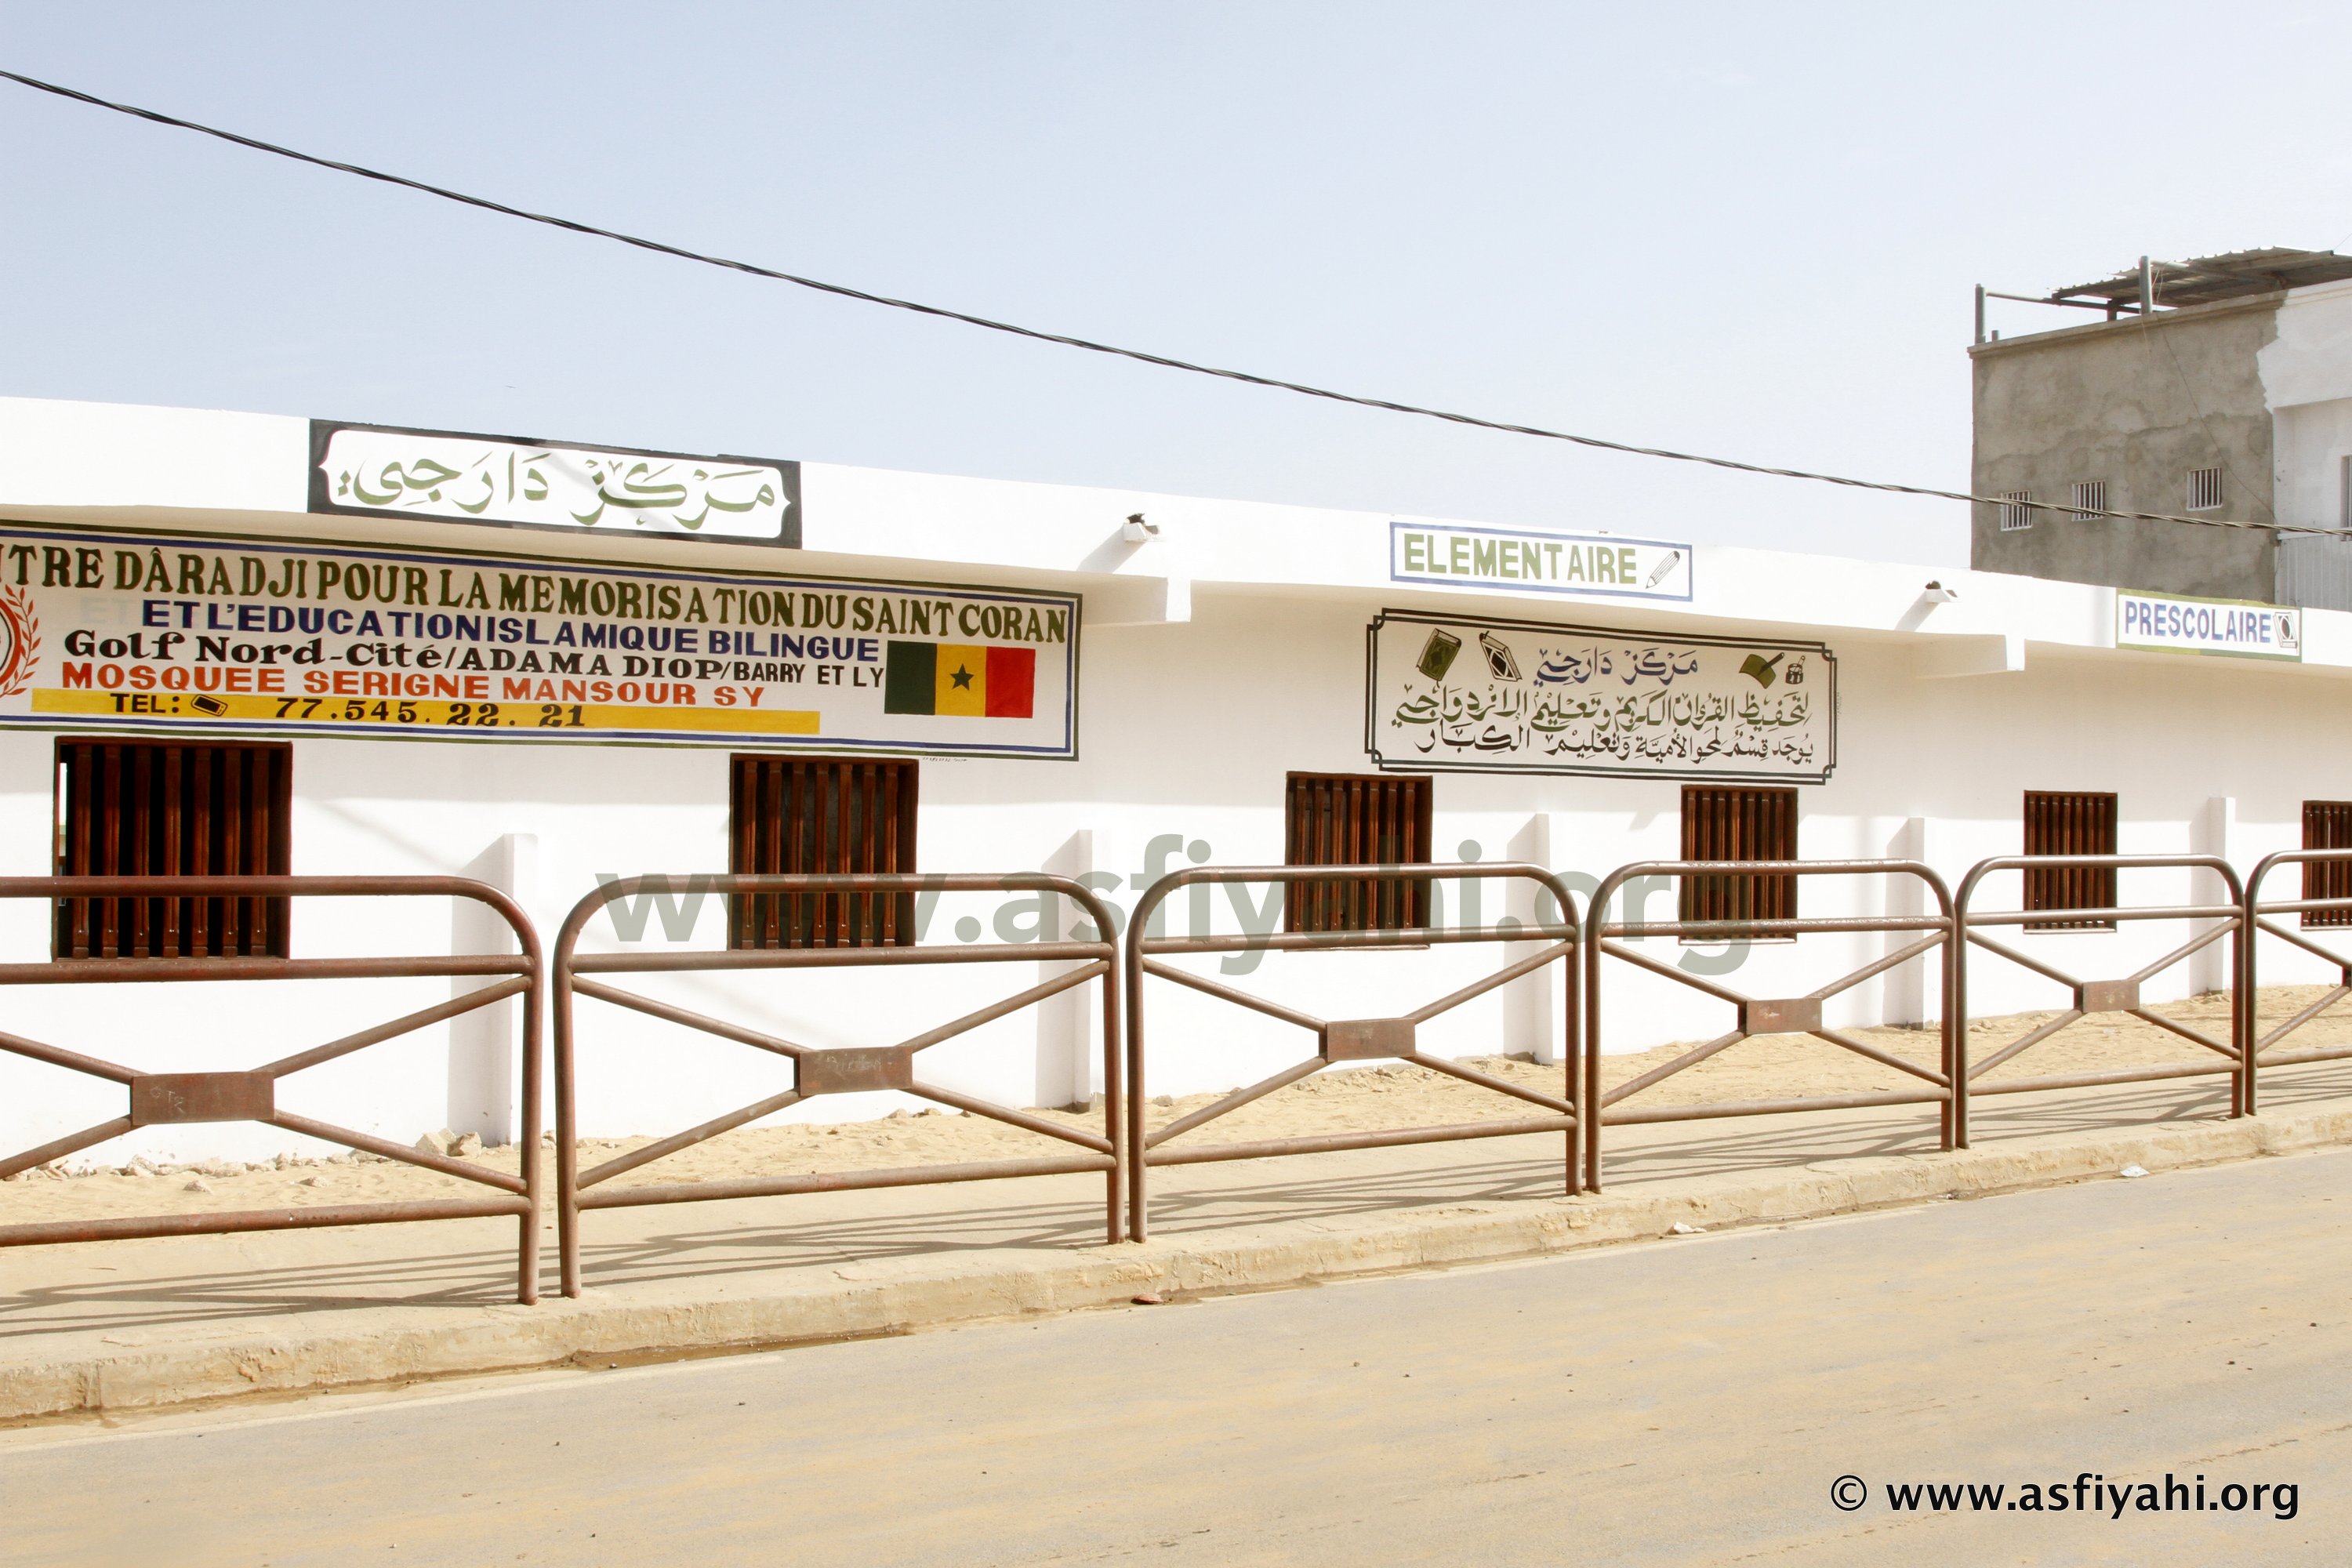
1595 566
373 471
1473 694
145 631
2229 627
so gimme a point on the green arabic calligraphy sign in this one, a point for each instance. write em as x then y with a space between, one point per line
374 471
1451 694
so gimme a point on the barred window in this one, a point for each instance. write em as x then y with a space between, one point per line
1739 824
814 816
2016 510
1354 819
2090 499
168 808
2327 825
2069 823
2204 489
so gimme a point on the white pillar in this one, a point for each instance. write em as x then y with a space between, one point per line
2215 833
1069 1027
482 1053
1912 989
1533 1004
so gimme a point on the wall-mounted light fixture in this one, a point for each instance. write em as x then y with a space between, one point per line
1136 530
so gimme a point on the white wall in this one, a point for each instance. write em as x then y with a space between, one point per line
1187 731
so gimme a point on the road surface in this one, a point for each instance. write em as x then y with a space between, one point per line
1698 1400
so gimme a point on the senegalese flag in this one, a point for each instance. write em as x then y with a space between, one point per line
959 678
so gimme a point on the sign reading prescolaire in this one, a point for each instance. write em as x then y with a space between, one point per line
376 470
2232 627
1458 695
1592 565
142 631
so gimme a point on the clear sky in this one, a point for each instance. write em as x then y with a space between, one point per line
1745 229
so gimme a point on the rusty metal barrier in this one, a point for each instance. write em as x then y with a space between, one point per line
827 1071
1350 1039
2104 995
1768 1015
250 1094
2260 1048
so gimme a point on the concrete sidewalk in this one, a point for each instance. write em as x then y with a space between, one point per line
143 1323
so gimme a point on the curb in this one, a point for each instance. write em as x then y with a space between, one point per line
393 1345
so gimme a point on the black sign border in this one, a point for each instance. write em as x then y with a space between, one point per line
672 740
1708 640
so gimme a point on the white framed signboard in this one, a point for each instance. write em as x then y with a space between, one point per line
1466 694
2233 628
381 470
144 631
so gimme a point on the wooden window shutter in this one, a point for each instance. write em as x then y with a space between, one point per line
1356 819
168 808
2327 825
818 816
1732 823
2069 823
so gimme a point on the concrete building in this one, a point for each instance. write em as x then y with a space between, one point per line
2218 388
550 665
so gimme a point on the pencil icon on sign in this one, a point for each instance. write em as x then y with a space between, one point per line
1658 572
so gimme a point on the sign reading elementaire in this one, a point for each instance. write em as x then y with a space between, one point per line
1523 561
143 631
377 470
1459 695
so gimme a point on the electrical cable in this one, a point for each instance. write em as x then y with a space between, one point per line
1090 345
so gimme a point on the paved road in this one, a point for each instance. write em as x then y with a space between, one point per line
1690 1401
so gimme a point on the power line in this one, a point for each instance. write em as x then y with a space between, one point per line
1091 346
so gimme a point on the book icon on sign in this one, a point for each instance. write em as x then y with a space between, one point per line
1498 656
1437 654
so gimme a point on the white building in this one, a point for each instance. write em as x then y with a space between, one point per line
1155 684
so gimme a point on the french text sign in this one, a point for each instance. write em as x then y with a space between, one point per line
142 631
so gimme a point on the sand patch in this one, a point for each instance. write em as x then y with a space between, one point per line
1774 1067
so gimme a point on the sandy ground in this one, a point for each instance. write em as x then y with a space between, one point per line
1766 1066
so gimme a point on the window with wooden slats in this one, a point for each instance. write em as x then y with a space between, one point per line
1739 824
2062 822
815 816
1356 819
2327 825
166 808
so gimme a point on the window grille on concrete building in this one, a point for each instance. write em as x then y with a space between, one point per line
2016 510
1739 824
1356 819
2327 825
2204 489
2090 499
165 809
815 816
2069 823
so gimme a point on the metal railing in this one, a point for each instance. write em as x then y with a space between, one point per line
1351 1039
2103 995
250 1094
839 1070
1767 1015
2261 1050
